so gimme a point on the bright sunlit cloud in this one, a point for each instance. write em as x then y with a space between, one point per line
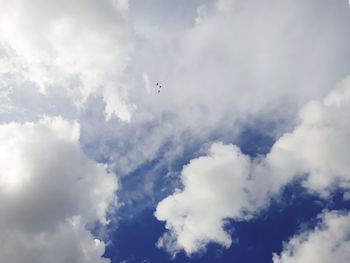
170 103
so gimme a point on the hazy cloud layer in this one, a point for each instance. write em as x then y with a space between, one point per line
221 64
49 192
81 46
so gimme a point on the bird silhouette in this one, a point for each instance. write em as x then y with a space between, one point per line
159 87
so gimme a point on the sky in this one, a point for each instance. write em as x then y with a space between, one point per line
174 131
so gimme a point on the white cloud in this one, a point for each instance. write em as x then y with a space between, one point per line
328 242
49 192
219 63
256 59
197 215
80 46
226 184
320 144
209 70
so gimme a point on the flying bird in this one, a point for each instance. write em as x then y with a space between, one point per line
159 87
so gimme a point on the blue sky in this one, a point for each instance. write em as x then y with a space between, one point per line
241 156
256 241
293 211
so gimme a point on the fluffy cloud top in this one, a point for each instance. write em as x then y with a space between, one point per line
49 191
197 214
221 63
226 184
80 46
210 56
236 48
328 242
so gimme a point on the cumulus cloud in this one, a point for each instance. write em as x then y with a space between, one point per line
241 60
81 46
214 190
229 185
328 242
49 192
219 62
210 57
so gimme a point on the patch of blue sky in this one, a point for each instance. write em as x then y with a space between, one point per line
155 179
135 231
295 210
